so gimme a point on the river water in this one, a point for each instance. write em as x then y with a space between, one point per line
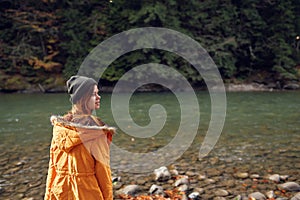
261 134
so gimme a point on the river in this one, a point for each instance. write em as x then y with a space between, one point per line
261 133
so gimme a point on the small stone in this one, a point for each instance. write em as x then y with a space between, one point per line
155 189
257 196
130 190
20 195
213 172
219 198
209 181
254 176
199 190
190 173
201 177
181 181
274 177
19 163
12 170
242 175
141 181
296 197
284 177
270 194
214 160
32 185
221 193
289 186
174 172
116 179
194 195
238 197
162 174
183 188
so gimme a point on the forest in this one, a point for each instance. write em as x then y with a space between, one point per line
44 42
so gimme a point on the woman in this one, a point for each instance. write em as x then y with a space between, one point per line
79 153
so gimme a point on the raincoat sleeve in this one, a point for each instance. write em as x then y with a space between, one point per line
50 177
100 150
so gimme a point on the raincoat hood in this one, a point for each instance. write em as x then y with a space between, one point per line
72 134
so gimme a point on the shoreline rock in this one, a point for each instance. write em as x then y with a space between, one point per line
251 87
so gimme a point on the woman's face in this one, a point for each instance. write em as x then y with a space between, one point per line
94 101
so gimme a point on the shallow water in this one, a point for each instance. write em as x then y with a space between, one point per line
259 119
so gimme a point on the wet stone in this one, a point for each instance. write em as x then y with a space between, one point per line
130 190
257 196
12 170
194 195
221 193
162 174
296 197
289 186
270 194
242 175
182 181
274 177
183 188
155 189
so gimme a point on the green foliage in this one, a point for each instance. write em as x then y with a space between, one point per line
243 37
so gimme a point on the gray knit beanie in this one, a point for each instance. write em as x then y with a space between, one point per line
78 86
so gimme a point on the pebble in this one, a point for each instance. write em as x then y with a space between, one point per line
155 189
199 190
12 170
181 181
194 195
183 188
296 197
274 177
219 198
130 190
257 196
202 177
162 174
242 175
255 176
270 194
221 193
289 186
284 177
209 181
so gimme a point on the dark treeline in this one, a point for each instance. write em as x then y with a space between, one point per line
45 41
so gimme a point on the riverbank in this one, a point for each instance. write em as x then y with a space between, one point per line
229 87
218 177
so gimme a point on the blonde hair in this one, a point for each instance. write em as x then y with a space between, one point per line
81 106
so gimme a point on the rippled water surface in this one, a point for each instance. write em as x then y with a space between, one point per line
254 118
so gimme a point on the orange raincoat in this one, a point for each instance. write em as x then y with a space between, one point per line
79 162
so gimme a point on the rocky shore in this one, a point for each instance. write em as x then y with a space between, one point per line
23 171
230 87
